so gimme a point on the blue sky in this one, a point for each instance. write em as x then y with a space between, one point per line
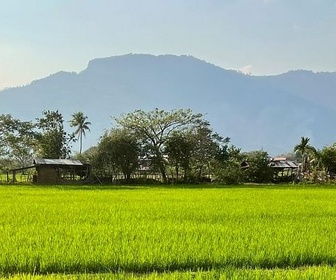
262 37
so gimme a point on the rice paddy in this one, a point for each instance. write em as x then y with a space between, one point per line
167 233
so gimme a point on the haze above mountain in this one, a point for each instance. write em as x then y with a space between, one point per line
256 112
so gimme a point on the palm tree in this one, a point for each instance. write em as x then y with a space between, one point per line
82 125
305 149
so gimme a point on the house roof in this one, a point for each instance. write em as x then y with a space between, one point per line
283 164
46 161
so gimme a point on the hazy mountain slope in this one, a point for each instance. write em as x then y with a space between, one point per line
270 112
317 87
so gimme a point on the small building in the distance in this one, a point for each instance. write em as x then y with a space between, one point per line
56 171
285 170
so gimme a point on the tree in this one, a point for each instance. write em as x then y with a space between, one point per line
226 166
118 151
193 151
52 140
79 121
153 128
179 148
88 155
21 146
8 125
306 151
258 170
206 146
327 157
17 140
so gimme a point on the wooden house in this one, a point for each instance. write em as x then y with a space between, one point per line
285 170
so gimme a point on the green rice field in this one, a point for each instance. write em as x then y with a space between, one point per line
195 232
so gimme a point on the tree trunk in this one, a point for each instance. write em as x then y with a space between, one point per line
80 143
128 177
163 172
159 161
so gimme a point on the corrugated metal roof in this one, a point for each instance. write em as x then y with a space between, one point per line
46 161
283 164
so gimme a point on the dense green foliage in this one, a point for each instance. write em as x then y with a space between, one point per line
21 141
227 167
169 146
177 232
16 140
118 151
327 158
258 170
153 129
53 141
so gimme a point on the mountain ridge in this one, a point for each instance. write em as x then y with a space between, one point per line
269 112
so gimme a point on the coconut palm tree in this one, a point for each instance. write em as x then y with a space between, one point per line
305 150
79 121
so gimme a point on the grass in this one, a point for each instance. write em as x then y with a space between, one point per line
321 272
19 178
161 233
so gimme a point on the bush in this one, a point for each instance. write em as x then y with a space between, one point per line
229 173
258 170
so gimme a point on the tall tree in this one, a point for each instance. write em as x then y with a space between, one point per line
179 148
327 157
306 151
7 126
81 124
258 170
52 140
227 166
154 128
16 140
118 151
206 146
193 150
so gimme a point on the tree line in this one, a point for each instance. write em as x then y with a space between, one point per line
21 141
178 145
315 165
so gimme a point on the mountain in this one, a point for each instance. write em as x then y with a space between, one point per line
256 112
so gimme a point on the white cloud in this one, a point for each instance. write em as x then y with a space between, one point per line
247 69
